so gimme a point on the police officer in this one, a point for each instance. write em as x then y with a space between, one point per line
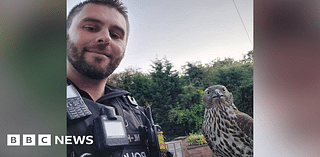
97 34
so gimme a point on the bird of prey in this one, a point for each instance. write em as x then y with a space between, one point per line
227 131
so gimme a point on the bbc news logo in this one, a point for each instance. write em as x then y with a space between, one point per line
45 140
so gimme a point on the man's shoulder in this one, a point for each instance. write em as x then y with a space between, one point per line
116 91
113 89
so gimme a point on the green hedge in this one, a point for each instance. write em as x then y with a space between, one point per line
195 139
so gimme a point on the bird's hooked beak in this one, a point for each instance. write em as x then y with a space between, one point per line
217 93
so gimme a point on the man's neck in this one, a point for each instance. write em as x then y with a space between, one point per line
95 88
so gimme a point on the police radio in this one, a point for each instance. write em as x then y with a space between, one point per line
76 108
153 131
109 131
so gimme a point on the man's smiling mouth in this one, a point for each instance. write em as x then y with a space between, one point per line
97 52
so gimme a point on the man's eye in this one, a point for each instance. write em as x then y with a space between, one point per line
115 36
91 29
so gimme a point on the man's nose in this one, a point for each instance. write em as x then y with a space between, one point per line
104 37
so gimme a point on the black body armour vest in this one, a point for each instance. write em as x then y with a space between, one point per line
133 116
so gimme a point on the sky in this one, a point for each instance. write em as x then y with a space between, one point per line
185 31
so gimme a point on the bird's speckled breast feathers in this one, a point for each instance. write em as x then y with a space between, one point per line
220 126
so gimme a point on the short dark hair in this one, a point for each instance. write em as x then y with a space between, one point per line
110 3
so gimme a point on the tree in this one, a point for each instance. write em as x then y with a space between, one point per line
163 93
248 58
124 79
187 117
193 74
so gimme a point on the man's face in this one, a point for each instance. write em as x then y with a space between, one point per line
96 41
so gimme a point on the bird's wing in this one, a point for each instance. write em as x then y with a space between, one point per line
245 123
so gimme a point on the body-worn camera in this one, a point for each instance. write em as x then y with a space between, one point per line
109 131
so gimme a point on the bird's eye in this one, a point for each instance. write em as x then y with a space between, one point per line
207 92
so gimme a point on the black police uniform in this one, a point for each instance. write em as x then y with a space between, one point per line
133 116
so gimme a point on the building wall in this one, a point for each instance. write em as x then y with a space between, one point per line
191 151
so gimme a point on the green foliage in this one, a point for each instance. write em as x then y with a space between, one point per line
195 139
125 79
188 115
248 58
193 74
176 99
163 93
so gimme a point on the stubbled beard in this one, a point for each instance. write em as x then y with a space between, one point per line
78 61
